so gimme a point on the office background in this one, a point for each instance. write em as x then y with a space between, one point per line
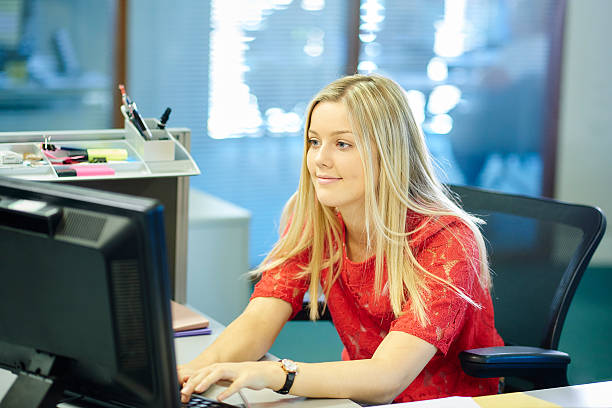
512 94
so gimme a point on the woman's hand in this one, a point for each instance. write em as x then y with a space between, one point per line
184 372
254 375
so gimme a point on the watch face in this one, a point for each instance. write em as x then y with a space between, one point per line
289 365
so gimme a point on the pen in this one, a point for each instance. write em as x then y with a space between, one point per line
139 123
164 119
125 99
133 115
123 95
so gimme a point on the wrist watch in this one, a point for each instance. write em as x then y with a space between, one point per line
291 369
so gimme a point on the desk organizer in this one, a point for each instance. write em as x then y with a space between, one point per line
159 148
163 156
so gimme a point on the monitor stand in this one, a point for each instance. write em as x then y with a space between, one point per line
34 390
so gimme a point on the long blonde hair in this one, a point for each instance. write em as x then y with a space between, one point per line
384 127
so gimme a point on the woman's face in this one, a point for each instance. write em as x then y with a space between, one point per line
333 161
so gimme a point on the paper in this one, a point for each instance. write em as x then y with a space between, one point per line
449 402
513 400
194 332
184 318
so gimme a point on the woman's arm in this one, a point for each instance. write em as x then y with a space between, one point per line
395 364
247 338
398 360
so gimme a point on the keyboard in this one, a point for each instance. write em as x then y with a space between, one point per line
197 401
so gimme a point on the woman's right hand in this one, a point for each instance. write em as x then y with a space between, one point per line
255 375
184 372
247 338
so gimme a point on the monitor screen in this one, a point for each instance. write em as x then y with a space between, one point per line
84 297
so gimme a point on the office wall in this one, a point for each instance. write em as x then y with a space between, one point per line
584 156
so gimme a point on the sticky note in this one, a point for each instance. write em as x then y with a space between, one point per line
513 400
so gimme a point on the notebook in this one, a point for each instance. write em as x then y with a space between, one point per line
185 318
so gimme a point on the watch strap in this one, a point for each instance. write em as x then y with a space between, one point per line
290 368
288 383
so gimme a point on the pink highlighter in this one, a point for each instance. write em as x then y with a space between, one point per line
84 170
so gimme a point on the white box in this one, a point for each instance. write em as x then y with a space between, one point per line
160 148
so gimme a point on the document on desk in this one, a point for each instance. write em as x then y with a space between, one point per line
449 402
513 399
185 318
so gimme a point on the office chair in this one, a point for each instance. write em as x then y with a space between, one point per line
538 251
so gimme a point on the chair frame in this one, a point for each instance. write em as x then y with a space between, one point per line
542 366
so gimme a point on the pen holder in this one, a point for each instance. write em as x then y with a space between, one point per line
159 148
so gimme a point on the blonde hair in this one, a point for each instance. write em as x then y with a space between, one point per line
384 127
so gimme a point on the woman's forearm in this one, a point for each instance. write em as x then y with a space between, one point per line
250 336
372 381
396 363
237 343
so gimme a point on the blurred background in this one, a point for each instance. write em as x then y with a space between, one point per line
512 95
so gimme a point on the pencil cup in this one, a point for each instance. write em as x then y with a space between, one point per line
159 148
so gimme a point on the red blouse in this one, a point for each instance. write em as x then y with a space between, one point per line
362 321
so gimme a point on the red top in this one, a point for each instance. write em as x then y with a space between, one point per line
362 321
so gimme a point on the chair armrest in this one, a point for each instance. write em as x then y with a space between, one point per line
516 361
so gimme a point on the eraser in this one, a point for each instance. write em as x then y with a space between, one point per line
65 171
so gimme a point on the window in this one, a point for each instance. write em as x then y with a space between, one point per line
56 64
239 74
476 72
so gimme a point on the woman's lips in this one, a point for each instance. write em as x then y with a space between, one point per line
327 180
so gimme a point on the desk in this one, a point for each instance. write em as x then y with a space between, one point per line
187 348
596 395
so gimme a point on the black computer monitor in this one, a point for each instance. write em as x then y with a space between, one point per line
84 297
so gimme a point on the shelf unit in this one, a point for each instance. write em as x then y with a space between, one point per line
135 166
164 180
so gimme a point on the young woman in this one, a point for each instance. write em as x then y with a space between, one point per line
402 267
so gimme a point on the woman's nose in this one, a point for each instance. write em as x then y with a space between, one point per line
323 156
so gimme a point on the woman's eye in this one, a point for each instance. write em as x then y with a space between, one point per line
343 145
313 142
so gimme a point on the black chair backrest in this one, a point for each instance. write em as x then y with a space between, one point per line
538 251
